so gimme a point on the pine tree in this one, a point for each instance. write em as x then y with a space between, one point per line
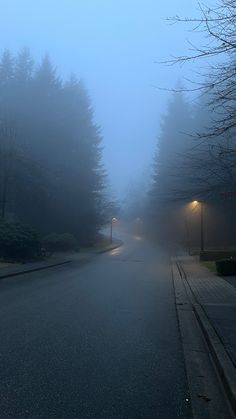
58 180
173 142
24 67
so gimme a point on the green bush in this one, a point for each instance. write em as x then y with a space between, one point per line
226 267
60 242
17 241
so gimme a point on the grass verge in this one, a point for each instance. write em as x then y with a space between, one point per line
211 265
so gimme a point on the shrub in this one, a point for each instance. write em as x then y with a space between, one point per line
17 241
60 242
226 267
217 254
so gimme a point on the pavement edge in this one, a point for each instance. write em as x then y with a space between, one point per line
116 245
221 359
53 265
30 270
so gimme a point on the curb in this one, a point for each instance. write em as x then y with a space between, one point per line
39 268
222 361
115 246
220 356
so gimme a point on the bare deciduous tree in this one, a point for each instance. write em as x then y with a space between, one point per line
218 24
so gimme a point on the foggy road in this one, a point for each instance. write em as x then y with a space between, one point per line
97 341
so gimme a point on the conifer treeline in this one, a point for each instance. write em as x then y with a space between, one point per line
189 167
51 173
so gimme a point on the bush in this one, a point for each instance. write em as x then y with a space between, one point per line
217 254
17 241
60 242
226 267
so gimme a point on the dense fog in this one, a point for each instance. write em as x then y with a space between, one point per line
110 107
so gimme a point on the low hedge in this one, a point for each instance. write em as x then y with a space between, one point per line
60 242
18 241
226 267
217 255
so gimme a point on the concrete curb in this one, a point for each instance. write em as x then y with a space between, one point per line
52 265
115 246
223 363
33 269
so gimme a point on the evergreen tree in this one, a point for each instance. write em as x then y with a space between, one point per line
24 67
173 142
57 181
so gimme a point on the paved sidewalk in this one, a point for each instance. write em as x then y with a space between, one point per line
56 260
214 303
218 299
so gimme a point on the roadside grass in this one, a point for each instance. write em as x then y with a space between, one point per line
8 264
5 265
210 264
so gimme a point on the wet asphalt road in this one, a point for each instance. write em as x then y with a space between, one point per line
94 341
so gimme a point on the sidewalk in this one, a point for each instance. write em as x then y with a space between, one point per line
214 302
55 260
21 268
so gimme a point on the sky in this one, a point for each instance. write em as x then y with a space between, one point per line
117 48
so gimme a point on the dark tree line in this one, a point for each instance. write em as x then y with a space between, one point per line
196 156
51 173
187 168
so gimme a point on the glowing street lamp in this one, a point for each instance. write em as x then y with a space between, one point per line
113 220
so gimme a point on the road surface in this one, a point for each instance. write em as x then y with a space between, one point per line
99 340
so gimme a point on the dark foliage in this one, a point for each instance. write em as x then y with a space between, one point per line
51 174
17 241
187 169
226 267
60 242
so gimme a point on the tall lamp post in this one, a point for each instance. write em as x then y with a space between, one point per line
201 223
113 220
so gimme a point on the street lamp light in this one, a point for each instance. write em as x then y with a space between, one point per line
113 220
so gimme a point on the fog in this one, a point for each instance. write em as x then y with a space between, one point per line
117 208
116 48
108 105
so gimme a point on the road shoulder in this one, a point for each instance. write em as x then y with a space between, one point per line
208 395
62 259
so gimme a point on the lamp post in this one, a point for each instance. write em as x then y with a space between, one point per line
113 220
202 228
201 223
187 235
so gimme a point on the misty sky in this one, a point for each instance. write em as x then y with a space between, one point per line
112 45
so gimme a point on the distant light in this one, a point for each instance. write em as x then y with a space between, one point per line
114 219
195 202
137 238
